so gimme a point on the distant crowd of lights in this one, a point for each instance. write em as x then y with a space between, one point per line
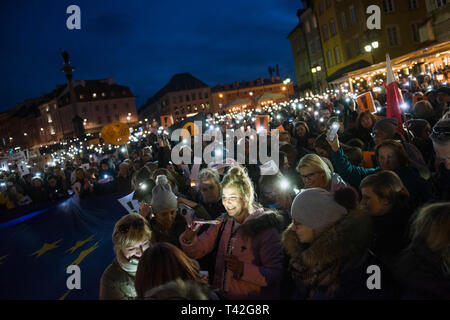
243 115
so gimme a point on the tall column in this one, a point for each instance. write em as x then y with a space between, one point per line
77 121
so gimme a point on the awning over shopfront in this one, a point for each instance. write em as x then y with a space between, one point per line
357 65
431 55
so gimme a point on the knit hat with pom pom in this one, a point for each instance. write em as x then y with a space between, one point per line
162 196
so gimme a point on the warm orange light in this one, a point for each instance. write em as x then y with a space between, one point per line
220 95
284 88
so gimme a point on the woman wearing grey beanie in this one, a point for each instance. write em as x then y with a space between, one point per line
167 223
327 248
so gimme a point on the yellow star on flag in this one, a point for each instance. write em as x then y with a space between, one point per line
79 244
46 247
2 258
84 253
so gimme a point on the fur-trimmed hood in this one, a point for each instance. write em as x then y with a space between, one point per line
335 250
259 221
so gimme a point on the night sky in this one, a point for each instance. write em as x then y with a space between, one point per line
142 44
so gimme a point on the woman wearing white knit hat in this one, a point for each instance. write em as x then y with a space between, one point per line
167 223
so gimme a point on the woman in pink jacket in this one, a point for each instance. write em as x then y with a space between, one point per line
249 251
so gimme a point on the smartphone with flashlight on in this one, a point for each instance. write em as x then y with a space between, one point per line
333 131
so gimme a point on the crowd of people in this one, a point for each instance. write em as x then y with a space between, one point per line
336 205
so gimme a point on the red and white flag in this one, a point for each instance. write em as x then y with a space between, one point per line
393 96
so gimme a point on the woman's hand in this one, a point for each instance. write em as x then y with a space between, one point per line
233 264
145 209
191 232
335 146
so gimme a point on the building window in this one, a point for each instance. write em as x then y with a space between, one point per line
97 108
108 118
328 3
413 4
337 54
353 19
314 22
193 96
330 58
332 27
307 27
180 98
200 96
357 47
106 108
117 117
344 21
348 50
325 32
174 100
81 96
388 6
393 36
187 98
99 120
103 94
206 95
321 7
415 32
114 106
84 109
112 93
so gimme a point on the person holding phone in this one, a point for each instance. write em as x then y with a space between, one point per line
249 254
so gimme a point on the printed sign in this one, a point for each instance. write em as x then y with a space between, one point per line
166 121
365 102
262 123
116 133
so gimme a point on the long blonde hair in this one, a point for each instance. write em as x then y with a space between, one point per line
238 178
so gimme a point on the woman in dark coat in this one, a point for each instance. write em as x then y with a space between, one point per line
167 224
327 245
386 200
423 269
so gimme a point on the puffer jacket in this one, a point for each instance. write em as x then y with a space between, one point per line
256 244
335 265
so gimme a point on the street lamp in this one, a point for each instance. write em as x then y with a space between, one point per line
314 70
370 48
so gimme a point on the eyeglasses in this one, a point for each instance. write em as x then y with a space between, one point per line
308 176
440 132
137 224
